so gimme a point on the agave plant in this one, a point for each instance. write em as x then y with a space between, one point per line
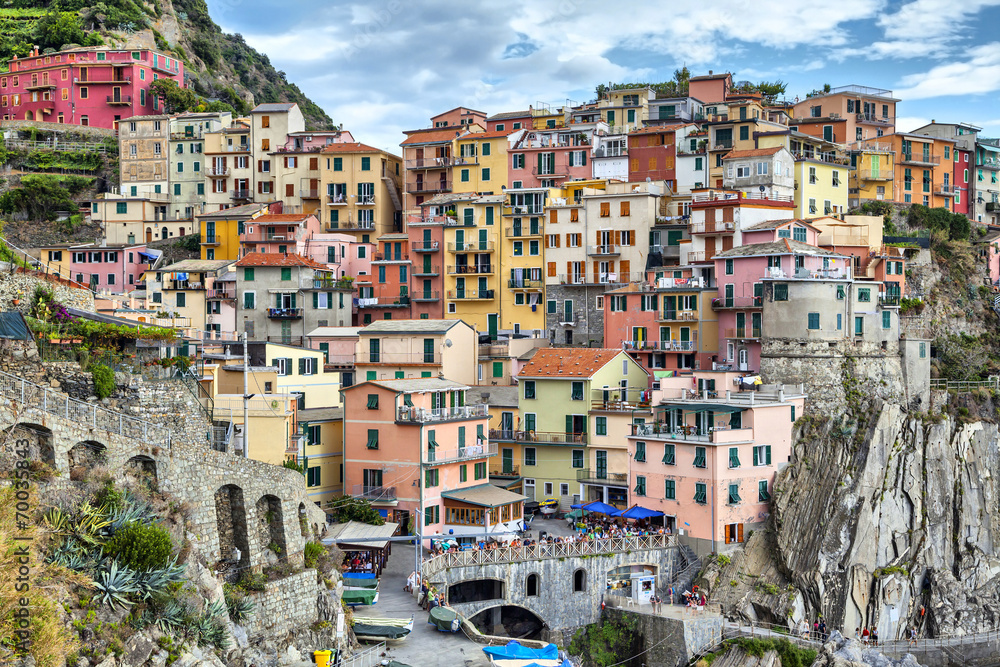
91 527
115 584
240 607
208 631
215 609
58 520
152 582
171 618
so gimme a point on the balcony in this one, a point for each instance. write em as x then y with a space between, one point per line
182 285
559 171
210 240
420 271
890 300
992 207
186 136
234 148
284 313
425 415
376 494
744 333
875 174
485 246
398 358
989 163
119 100
349 226
602 477
677 316
522 232
213 172
722 145
535 209
399 301
221 294
309 194
438 456
426 297
607 279
542 437
390 257
494 350
430 163
486 269
874 119
471 295
505 470
365 200
737 302
525 284
432 246
921 159
45 85
428 187
661 345
86 81
618 405
944 190
713 227
718 435
240 194
606 250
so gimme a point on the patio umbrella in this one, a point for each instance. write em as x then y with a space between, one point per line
600 508
576 507
576 514
637 512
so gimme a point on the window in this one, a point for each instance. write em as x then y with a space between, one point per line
762 455
83 93
121 208
865 294
814 321
248 274
366 164
431 478
762 495
669 489
734 457
923 350
640 452
700 495
529 456
601 426
486 174
799 234
529 388
463 473
313 476
432 515
781 292
886 319
181 299
372 438
734 494
480 470
640 485
669 453
373 401
577 458
729 267
576 391
699 457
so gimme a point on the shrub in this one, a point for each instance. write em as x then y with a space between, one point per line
312 553
141 547
104 380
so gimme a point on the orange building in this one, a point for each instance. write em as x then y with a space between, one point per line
923 169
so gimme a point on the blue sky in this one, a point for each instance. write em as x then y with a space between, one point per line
382 66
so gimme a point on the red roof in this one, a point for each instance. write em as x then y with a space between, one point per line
756 152
488 135
433 136
283 217
279 259
567 362
350 147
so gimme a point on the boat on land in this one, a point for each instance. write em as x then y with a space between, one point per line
379 629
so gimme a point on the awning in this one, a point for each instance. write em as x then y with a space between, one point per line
371 537
637 512
659 375
148 256
505 483
989 147
485 495
383 513
702 407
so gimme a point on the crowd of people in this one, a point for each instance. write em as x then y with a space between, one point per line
359 561
601 526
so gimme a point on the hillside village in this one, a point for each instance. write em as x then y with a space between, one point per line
749 334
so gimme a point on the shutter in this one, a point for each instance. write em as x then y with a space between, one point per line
289 190
739 532
552 269
302 366
728 533
224 164
329 300
756 461
597 270
260 166
260 187
286 162
569 423
293 301
315 300
540 163
360 190
553 216
583 156
767 454
313 163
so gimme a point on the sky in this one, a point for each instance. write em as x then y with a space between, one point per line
383 66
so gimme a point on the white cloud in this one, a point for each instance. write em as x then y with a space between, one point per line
926 28
910 123
978 75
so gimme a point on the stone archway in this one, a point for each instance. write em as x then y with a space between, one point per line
509 621
83 457
303 521
142 468
34 439
271 527
231 518
28 115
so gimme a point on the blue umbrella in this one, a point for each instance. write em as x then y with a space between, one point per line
637 512
600 508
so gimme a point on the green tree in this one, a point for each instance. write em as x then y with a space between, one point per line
607 643
58 28
175 99
39 198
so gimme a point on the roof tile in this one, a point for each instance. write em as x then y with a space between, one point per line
279 259
567 362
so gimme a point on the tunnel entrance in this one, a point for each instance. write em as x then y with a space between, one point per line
509 621
478 590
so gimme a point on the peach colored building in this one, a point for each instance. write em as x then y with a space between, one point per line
709 458
420 454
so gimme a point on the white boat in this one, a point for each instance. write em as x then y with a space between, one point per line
379 629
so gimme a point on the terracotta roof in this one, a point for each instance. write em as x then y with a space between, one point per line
780 247
433 136
279 259
350 147
567 362
283 217
756 152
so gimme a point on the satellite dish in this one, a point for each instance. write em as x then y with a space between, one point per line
447 342
649 180
762 188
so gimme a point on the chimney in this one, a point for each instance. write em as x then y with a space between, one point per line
710 72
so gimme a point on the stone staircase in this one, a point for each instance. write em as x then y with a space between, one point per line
390 186
751 566
683 578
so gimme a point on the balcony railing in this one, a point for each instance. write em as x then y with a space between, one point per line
603 250
524 283
437 456
919 158
309 194
366 200
717 434
210 240
234 148
390 257
504 470
213 172
677 316
712 227
375 493
496 350
522 210
601 476
240 194
560 438
619 406
743 332
471 246
123 100
945 190
429 163
432 246
394 301
601 279
426 296
471 294
428 186
661 345
467 269
875 174
186 136
221 294
421 270
737 302
521 232
398 358
874 118
284 313
424 415
350 226
989 163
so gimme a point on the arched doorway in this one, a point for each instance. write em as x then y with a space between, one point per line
270 526
142 468
476 590
509 621
83 457
33 439
531 585
149 234
28 115
163 233
303 521
231 518
580 581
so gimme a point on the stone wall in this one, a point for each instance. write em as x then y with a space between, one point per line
672 641
284 605
588 324
93 133
22 286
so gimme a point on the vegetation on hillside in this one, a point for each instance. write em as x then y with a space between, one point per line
609 642
678 87
40 197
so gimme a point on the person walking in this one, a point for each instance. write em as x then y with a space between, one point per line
822 631
865 635
913 636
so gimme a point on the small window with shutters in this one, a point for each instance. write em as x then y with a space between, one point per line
625 208
605 209
313 163
289 190
574 215
265 144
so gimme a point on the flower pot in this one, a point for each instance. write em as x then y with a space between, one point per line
17 302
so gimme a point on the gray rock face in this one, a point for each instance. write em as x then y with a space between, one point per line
883 513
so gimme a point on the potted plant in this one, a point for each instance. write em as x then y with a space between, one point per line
450 213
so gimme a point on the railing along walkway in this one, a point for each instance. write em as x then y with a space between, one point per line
60 404
507 554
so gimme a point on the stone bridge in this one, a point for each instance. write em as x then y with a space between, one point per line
236 503
561 584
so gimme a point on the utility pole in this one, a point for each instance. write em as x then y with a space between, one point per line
246 397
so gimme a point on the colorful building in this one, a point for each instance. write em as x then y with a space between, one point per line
91 86
143 155
111 268
360 190
428 154
873 168
221 230
403 349
846 114
202 290
187 161
923 173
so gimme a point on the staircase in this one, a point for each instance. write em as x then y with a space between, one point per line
996 304
683 579
390 186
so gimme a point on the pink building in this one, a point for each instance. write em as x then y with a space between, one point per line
417 451
94 86
279 233
111 268
549 157
709 459
961 178
989 248
314 142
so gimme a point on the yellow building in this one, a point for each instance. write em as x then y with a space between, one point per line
192 289
360 190
323 455
821 186
220 230
628 107
873 164
480 162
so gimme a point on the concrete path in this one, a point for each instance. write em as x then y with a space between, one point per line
425 646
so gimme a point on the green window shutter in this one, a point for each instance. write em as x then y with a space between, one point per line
668 454
399 375
325 349
700 495
408 402
249 300
767 454
372 438
286 273
601 426
373 401
315 300
425 374
489 215
813 320
497 369
461 437
640 451
756 458
734 457
699 457
762 494
669 489
302 366
463 474
569 423
366 164
247 274
734 494
338 164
